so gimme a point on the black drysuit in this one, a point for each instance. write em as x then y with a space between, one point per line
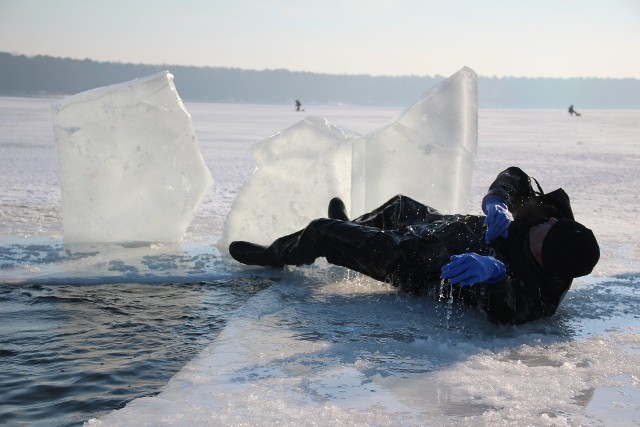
407 243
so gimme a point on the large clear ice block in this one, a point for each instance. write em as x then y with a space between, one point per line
427 154
298 170
129 164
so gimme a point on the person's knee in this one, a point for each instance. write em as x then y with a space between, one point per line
316 228
320 223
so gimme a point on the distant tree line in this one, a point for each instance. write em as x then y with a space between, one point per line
21 75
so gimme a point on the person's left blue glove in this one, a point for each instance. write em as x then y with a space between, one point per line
498 217
471 268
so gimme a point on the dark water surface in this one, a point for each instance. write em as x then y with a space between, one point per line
72 352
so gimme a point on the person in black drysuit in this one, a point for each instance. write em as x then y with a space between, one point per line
516 263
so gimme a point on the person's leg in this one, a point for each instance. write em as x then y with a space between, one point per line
411 263
367 250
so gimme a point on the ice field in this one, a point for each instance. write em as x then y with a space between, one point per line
322 346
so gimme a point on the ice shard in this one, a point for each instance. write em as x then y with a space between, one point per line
427 154
128 163
297 171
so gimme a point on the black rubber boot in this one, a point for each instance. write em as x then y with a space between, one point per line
337 209
252 254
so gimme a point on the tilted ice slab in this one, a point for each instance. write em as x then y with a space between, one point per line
129 164
426 154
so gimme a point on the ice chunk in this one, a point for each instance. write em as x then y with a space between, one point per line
129 164
297 171
426 154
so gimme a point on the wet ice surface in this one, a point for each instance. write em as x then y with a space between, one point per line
347 350
320 345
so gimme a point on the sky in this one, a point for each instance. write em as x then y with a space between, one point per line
522 38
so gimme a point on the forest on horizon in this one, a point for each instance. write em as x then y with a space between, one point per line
41 75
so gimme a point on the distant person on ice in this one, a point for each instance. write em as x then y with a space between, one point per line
298 105
517 262
572 111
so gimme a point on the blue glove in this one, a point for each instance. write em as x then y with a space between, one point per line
498 217
471 268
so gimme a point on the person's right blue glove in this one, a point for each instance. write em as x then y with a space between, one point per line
498 218
471 268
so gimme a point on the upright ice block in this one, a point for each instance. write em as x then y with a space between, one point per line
129 164
297 171
427 154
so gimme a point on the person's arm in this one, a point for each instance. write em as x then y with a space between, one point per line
504 299
512 186
471 268
504 296
497 217
508 192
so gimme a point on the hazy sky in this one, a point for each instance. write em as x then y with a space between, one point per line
548 38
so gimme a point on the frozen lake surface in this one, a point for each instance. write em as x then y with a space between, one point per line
315 345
